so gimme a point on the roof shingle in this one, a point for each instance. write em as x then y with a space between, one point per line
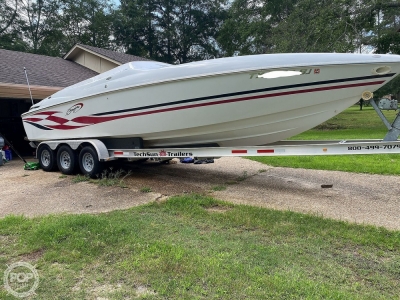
42 70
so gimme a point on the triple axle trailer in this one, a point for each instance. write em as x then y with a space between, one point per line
92 155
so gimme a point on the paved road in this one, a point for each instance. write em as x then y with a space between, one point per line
360 198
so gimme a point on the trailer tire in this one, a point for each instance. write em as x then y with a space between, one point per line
66 160
89 162
47 159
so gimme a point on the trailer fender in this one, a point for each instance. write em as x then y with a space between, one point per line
98 145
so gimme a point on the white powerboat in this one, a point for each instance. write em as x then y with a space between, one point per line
237 101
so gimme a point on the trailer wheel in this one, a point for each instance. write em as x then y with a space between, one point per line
66 160
47 160
89 162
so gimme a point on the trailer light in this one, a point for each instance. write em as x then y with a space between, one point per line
266 151
239 151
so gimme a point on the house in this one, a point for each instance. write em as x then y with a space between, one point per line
46 75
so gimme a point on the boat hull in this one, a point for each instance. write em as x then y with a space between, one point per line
229 109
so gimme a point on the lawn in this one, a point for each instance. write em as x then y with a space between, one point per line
195 247
350 124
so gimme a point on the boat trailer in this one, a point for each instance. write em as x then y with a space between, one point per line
91 154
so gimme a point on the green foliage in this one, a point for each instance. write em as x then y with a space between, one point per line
13 41
8 14
330 26
219 188
393 87
52 27
295 26
112 178
134 28
80 178
87 22
107 178
246 30
10 21
385 35
145 189
39 22
386 38
171 31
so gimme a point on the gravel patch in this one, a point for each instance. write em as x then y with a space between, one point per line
359 198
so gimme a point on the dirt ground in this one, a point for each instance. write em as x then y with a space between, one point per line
360 198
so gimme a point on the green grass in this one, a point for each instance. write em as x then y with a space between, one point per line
185 248
218 188
145 189
80 178
107 178
350 124
112 178
242 177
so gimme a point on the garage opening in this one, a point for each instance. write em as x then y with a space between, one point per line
11 124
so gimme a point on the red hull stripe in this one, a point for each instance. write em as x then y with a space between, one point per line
239 151
91 120
266 151
96 120
265 90
57 119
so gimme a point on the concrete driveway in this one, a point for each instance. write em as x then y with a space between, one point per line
360 198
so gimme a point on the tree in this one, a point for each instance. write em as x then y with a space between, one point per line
87 22
10 35
247 28
324 26
135 28
9 13
295 26
386 33
174 31
13 40
39 19
385 38
52 27
195 25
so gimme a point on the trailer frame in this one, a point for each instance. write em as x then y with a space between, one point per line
91 154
